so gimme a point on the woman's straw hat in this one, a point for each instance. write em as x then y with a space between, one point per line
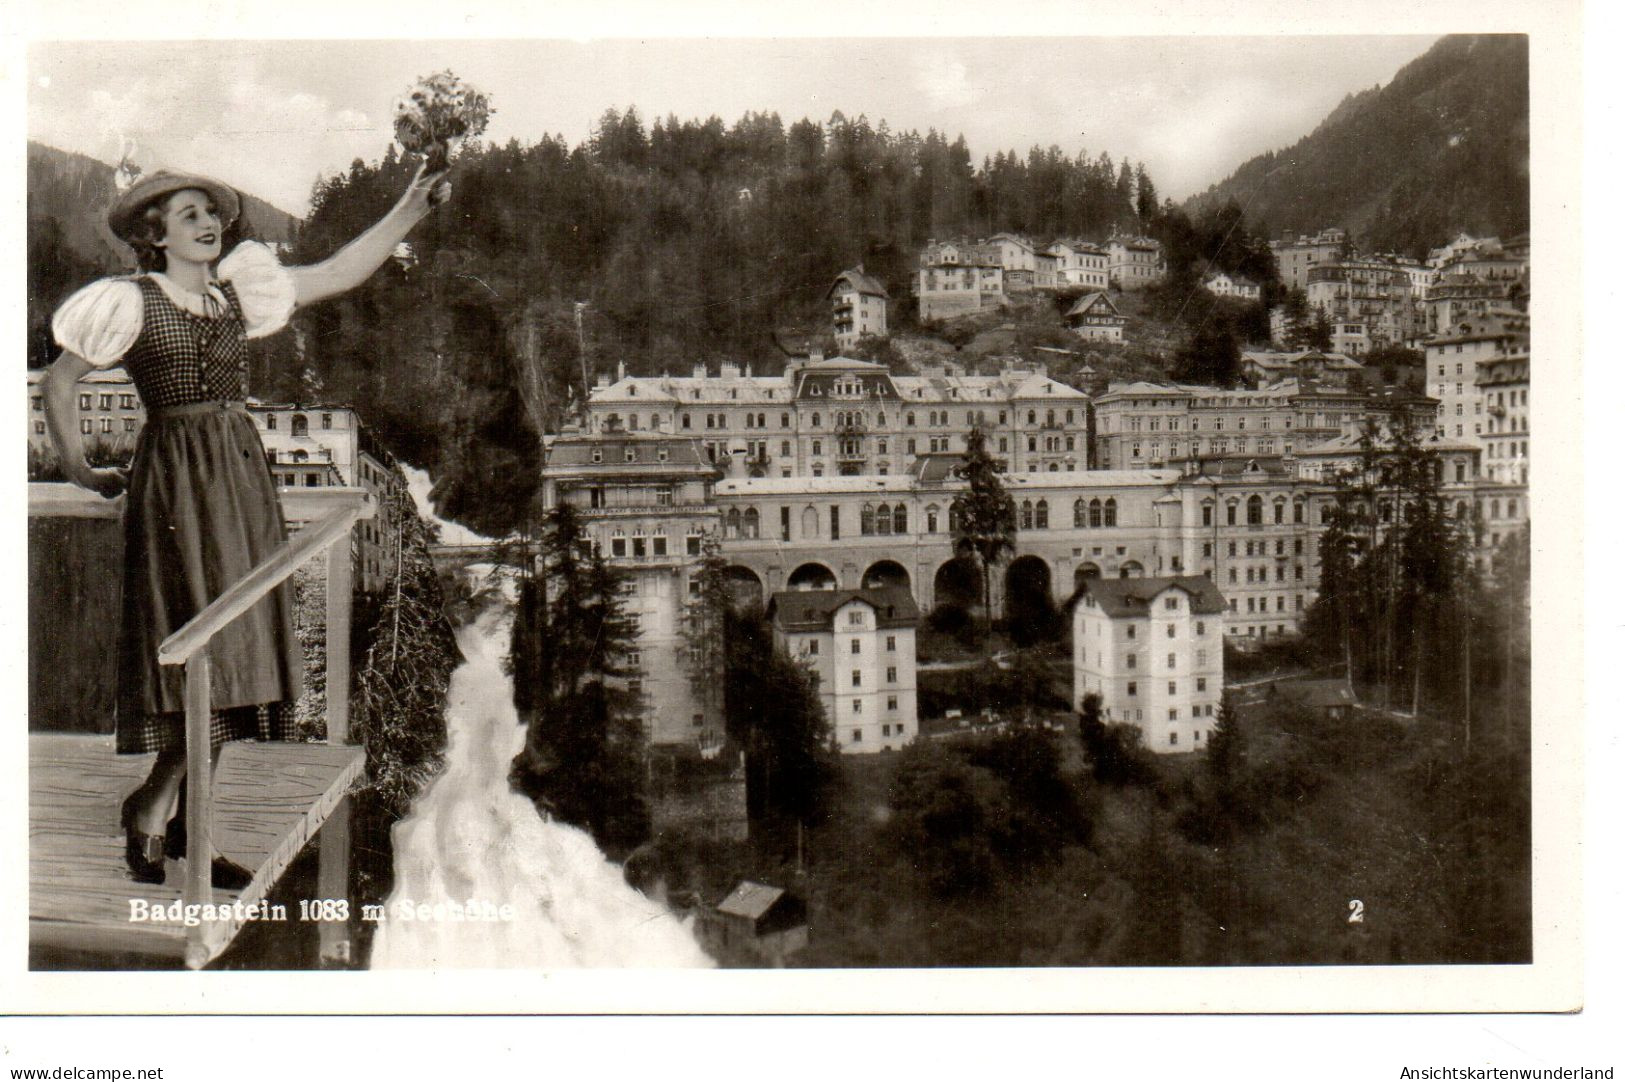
130 203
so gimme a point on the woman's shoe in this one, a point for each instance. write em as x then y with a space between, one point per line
144 853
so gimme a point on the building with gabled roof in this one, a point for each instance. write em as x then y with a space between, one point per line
1221 284
1268 366
858 304
1153 650
859 645
1094 316
1330 700
756 923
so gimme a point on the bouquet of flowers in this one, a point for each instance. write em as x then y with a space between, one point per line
437 115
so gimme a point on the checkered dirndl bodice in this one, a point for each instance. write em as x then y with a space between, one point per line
180 358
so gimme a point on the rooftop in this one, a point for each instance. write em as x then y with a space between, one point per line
861 281
812 610
1133 597
750 900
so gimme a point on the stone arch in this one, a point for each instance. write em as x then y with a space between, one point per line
957 585
744 586
1131 569
812 576
887 573
1085 572
1029 601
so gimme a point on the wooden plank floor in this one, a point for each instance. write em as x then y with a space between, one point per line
270 799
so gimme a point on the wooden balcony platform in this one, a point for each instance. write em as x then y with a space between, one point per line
269 801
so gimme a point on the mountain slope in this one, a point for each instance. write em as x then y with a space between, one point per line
68 245
1443 147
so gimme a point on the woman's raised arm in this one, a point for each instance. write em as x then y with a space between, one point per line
356 261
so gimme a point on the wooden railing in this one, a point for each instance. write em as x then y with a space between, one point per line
331 513
326 517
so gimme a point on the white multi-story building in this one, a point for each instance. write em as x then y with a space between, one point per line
840 416
1134 262
319 445
110 413
1153 650
858 304
952 289
1503 383
1453 362
1366 291
1148 424
859 645
645 504
1079 263
1225 285
1295 256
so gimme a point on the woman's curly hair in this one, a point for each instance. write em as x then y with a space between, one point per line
147 229
145 232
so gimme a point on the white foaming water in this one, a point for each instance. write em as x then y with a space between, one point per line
471 838
418 485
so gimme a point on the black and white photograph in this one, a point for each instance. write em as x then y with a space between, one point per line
859 505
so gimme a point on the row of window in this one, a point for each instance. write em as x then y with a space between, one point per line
1262 574
1217 445
1154 424
898 729
1173 631
857 708
1260 605
1132 661
934 418
856 618
1133 688
857 674
102 402
87 426
1255 513
300 425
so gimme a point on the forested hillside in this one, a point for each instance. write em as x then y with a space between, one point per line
1444 147
689 241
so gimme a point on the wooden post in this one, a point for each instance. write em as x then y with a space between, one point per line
340 576
199 888
333 882
333 848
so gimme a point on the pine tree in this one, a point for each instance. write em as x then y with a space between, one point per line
775 712
1227 745
984 516
705 632
574 639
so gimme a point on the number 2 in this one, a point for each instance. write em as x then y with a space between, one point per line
1356 911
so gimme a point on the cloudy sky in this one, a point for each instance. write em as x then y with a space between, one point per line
271 116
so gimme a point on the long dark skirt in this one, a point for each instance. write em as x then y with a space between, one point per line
202 511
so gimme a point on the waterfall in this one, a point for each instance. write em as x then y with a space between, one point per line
471 845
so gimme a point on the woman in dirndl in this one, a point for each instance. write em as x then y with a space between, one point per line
202 508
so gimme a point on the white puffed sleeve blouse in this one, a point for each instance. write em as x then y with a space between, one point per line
102 321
